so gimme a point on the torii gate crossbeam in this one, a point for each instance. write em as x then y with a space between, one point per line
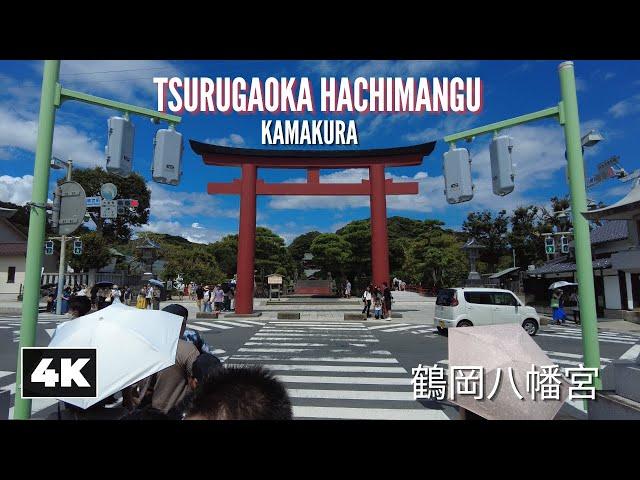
248 187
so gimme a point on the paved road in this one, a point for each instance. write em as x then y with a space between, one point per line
333 369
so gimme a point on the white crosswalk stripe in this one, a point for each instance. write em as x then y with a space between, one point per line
574 333
335 373
206 326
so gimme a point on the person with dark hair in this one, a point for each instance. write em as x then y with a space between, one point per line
386 303
240 393
188 334
79 306
165 389
203 367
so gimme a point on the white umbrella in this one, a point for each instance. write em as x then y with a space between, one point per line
131 345
561 284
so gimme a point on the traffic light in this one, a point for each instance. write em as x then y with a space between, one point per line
77 247
564 244
167 157
549 245
502 165
48 247
125 204
456 166
120 146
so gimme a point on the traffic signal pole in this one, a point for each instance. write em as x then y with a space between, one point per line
52 96
577 189
63 252
37 225
567 114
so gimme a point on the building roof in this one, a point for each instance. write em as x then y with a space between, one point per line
504 272
623 209
563 266
13 249
610 231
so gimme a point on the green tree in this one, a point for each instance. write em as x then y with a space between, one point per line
435 258
358 235
331 252
225 252
271 253
526 226
196 265
116 230
95 253
491 232
301 245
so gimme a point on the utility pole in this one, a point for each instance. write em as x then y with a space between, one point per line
62 268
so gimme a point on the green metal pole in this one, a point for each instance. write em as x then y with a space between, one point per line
37 224
588 317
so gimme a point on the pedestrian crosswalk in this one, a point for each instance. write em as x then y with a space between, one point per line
575 333
335 370
557 331
222 325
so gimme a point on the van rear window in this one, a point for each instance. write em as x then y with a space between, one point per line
445 296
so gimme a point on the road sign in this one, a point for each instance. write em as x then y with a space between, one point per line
109 209
93 201
109 191
71 207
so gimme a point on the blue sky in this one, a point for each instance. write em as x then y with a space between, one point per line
608 95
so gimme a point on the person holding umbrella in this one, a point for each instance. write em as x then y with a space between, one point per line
558 313
165 389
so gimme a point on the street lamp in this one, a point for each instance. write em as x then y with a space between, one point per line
591 138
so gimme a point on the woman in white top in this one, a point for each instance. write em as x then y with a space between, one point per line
115 295
366 298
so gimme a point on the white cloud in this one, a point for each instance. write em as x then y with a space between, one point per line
193 234
168 204
538 155
196 225
581 85
16 189
626 107
18 131
447 125
233 140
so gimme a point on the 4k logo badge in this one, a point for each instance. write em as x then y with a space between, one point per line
59 372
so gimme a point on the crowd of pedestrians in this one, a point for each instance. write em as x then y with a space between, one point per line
196 387
380 298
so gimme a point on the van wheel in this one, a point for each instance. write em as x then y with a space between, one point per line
530 326
465 323
443 331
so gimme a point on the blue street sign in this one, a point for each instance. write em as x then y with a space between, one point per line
93 201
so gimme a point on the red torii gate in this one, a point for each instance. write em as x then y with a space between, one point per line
249 186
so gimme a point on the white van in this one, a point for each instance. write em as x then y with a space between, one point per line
468 307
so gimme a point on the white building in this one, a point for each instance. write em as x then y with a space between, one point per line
13 256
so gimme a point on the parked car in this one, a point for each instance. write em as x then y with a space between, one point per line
468 307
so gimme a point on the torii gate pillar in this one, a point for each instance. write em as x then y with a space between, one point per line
246 240
379 238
